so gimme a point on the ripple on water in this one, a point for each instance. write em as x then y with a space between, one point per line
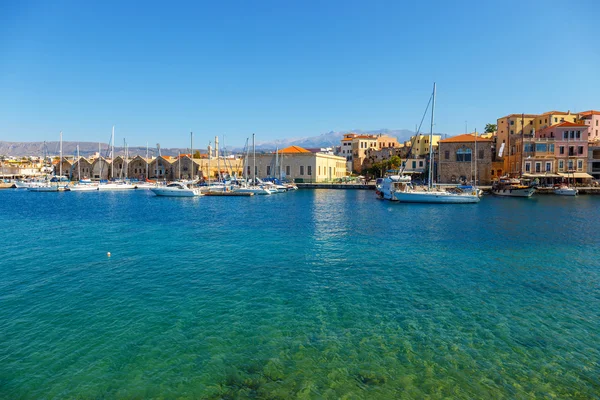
314 294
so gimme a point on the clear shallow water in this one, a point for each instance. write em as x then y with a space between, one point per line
312 294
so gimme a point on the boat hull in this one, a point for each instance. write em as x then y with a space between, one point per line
43 189
115 186
525 192
566 192
435 198
176 192
83 188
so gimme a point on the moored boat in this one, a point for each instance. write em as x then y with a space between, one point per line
176 189
565 190
512 187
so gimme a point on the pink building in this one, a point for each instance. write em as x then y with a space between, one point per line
570 148
592 119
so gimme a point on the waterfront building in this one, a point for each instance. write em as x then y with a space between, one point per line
82 165
420 144
299 165
136 168
160 168
551 153
21 168
594 160
67 164
550 118
592 119
184 167
119 165
100 169
457 159
354 148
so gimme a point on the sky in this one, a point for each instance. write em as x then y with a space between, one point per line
286 69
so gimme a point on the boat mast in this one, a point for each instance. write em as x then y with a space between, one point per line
191 155
78 164
253 160
522 144
61 156
431 140
209 157
276 160
179 164
475 185
146 160
112 153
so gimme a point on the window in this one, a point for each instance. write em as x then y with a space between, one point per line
578 135
463 155
579 165
528 147
512 132
561 150
570 165
548 167
256 170
420 163
555 119
288 170
527 167
551 148
538 167
541 147
572 135
571 150
248 170
512 122
414 164
309 170
565 134
268 170
580 150
446 155
302 170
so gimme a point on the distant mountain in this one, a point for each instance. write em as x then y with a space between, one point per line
329 139
18 149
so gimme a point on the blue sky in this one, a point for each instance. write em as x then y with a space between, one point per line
157 70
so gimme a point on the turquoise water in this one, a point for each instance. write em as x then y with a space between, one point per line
311 294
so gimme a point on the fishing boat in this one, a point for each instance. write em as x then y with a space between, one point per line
176 189
513 187
399 187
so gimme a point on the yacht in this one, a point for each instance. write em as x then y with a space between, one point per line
176 189
565 190
512 187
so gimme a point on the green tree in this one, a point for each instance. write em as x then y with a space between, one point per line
490 128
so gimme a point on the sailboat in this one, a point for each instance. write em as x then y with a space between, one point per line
57 183
254 189
115 184
399 187
84 185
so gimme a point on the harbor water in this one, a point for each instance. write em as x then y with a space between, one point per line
321 294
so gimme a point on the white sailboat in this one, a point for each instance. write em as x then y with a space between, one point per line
177 189
57 183
114 185
245 188
84 185
399 187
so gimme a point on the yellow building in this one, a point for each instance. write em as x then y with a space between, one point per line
354 148
420 144
301 165
554 117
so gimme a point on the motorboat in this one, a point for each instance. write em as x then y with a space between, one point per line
176 189
565 190
399 188
513 187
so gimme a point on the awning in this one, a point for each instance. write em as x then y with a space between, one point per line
581 175
413 172
547 175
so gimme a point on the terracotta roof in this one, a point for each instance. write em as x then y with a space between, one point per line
346 139
555 112
520 115
568 124
465 138
293 150
589 112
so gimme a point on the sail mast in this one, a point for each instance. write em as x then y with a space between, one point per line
192 154
112 153
431 140
475 185
146 160
253 160
61 156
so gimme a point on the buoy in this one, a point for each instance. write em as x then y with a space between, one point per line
108 254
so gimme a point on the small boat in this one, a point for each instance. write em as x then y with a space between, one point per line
45 187
176 189
116 185
565 190
83 187
512 187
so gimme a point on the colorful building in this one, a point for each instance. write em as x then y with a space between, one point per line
354 148
420 144
592 119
